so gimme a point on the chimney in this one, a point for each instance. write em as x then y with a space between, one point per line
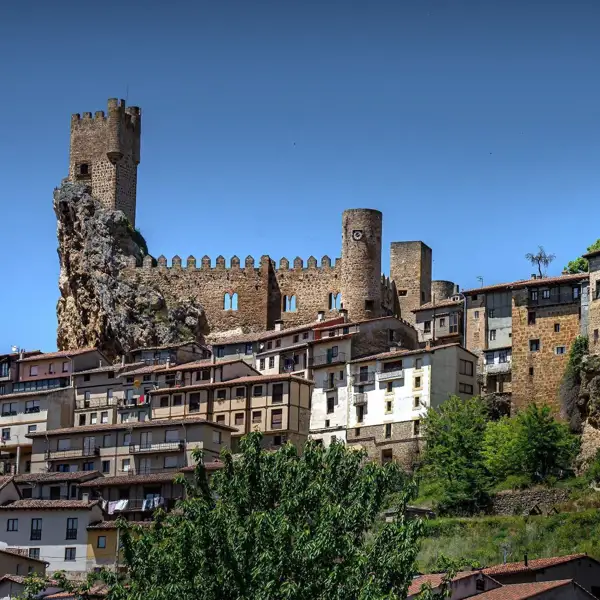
456 289
21 354
533 276
278 325
168 363
85 497
123 360
525 559
101 363
393 348
428 345
320 316
344 314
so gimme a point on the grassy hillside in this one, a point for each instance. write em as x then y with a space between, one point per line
482 538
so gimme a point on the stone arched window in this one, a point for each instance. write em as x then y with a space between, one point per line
335 301
230 301
289 304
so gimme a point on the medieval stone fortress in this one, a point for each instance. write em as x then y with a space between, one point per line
159 357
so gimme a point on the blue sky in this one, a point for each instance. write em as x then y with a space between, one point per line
473 125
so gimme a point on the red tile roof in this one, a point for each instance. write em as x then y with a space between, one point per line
144 370
125 426
113 524
100 481
250 379
435 580
5 479
206 363
523 591
532 565
59 354
36 393
31 504
521 283
56 477
438 304
401 352
25 556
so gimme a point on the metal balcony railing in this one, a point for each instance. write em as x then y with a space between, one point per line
71 534
36 534
147 471
326 359
387 375
158 447
146 504
72 453
363 377
359 399
95 403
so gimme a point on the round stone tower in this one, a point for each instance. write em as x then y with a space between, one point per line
361 263
442 290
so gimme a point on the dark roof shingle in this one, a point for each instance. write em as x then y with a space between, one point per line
31 504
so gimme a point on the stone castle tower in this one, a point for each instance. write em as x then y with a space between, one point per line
250 295
105 153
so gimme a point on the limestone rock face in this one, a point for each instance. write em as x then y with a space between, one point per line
99 308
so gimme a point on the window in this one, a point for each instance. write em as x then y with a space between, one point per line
276 419
106 466
239 419
230 301
277 392
12 525
416 428
171 462
369 305
221 394
277 343
31 428
416 402
277 440
220 352
476 314
217 437
126 464
422 296
65 366
545 294
126 439
492 335
88 466
418 363
341 375
32 406
388 406
356 431
94 418
360 413
576 293
257 391
345 330
387 456
335 301
177 400
596 335
330 405
81 420
489 358
388 430
261 364
454 323
101 543
427 326
534 345
533 295
104 416
248 349
70 554
194 402
271 362
466 367
111 375
417 383
560 350
256 416
269 345
465 388
289 304
332 333
327 422
221 419
502 356
531 371
389 387
531 318
33 370
34 553
36 529
442 322
305 335
106 441
71 529
5 433
9 409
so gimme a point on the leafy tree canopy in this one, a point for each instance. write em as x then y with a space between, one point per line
454 434
277 526
580 264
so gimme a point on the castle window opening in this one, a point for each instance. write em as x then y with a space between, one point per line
289 304
230 301
369 305
335 301
402 292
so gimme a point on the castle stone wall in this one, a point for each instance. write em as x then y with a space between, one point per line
442 290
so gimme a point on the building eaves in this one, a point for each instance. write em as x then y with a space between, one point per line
401 353
59 354
100 481
167 346
440 304
533 564
523 283
24 556
32 504
523 591
56 477
36 393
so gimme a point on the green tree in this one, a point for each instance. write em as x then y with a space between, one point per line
501 447
454 454
541 259
277 526
580 264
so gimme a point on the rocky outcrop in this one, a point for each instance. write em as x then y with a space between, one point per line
97 307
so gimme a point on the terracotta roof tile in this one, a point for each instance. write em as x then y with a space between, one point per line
25 556
164 477
59 354
400 353
125 426
36 393
56 477
250 379
5 479
522 591
532 564
435 580
438 304
167 346
144 370
31 504
521 283
207 362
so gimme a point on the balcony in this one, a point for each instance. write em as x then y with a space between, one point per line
95 403
359 399
159 447
72 453
131 403
144 504
558 295
327 359
497 368
146 471
363 377
387 375
71 534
